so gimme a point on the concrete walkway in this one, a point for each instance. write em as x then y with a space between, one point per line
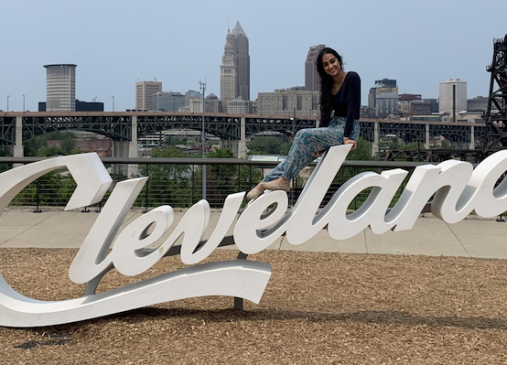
473 237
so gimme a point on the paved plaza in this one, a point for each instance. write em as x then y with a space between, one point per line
472 237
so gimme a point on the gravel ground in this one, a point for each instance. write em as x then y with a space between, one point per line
318 309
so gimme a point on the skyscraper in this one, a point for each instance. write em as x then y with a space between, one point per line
242 61
228 72
312 78
448 104
383 97
61 87
235 67
144 94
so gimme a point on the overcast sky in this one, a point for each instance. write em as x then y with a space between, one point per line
118 42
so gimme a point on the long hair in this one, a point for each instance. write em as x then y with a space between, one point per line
326 84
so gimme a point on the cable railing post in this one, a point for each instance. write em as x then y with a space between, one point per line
294 187
355 199
250 187
37 198
193 184
239 177
147 188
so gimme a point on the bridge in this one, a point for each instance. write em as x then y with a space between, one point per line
124 128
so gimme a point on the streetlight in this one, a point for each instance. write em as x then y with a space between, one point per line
8 96
113 102
23 103
203 139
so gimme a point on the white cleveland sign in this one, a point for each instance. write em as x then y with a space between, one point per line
459 190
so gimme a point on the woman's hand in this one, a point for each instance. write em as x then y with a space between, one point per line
350 141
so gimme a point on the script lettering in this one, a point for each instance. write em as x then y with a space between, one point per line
458 189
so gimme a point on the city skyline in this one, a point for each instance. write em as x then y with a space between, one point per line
420 45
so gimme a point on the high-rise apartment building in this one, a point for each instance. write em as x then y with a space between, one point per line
144 94
61 87
235 67
312 78
452 97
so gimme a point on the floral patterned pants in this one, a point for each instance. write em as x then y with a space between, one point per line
307 142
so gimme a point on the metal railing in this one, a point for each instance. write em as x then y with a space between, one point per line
178 181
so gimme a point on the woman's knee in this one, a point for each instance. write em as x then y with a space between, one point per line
302 133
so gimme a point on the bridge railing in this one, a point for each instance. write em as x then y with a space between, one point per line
178 181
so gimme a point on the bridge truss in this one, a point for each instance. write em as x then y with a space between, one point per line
496 121
117 126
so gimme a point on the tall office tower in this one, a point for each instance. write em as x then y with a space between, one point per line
228 72
235 67
61 87
144 94
448 104
242 62
312 78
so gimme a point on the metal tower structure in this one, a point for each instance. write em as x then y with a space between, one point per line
496 120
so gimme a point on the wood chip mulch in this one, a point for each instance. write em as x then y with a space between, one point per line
319 308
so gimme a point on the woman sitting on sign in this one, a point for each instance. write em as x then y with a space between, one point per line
340 101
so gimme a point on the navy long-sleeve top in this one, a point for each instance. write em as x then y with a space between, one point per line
347 101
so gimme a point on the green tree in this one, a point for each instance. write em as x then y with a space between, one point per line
49 152
167 184
446 145
412 146
285 147
265 145
38 146
222 180
394 144
45 189
362 152
67 145
4 152
173 141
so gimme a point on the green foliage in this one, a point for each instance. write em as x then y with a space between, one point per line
4 152
49 152
38 146
53 189
285 147
167 184
222 180
414 146
67 145
266 146
173 141
362 152
394 144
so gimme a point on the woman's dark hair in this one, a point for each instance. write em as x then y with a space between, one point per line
326 84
